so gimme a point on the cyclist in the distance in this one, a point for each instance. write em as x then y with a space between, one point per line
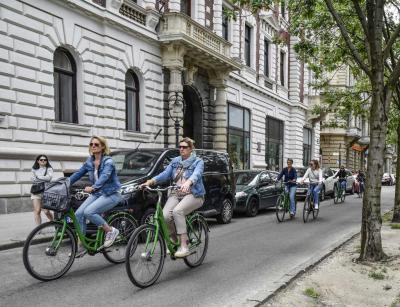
341 173
290 178
361 181
186 172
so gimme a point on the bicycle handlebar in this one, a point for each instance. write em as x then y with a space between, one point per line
173 187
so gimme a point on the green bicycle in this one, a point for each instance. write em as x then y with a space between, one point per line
283 204
309 206
49 251
146 249
339 193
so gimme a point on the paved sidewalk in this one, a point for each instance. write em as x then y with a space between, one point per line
15 227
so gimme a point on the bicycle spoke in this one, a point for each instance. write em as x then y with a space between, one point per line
48 252
145 256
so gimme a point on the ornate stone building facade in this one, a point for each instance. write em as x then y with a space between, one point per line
75 68
347 144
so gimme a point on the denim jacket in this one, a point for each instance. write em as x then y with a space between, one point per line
108 182
194 173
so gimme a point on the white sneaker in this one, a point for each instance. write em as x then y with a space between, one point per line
110 237
182 252
316 206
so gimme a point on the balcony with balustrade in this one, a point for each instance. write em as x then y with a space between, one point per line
203 47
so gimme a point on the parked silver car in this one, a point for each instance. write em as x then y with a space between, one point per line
327 186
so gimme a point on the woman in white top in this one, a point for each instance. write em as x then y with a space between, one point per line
314 174
41 172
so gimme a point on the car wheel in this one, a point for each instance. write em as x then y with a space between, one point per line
225 216
322 195
147 216
252 207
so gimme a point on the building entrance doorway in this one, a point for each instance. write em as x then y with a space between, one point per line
193 118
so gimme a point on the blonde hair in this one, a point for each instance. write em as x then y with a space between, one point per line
189 141
103 142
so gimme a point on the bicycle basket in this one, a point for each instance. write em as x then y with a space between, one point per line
56 196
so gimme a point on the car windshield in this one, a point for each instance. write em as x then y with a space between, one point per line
246 178
134 163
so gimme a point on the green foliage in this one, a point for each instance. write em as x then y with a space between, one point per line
251 6
395 226
376 275
311 292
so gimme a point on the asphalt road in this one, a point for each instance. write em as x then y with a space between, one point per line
246 261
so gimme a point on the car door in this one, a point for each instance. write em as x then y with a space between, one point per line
350 180
329 180
266 190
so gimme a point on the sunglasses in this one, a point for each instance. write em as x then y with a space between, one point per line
42 160
94 144
183 147
311 164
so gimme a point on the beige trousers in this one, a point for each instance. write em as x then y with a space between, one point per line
176 209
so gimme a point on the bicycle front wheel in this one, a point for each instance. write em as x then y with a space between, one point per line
198 242
48 251
126 225
145 256
280 209
306 209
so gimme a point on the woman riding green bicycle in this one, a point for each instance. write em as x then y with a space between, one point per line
186 172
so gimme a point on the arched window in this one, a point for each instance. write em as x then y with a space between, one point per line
65 87
132 101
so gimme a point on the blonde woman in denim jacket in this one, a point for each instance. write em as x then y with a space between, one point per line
104 191
186 171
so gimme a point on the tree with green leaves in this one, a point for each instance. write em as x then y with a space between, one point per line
363 35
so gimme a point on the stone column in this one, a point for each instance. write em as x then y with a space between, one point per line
218 80
172 58
218 17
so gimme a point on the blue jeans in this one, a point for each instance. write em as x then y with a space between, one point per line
314 188
343 185
292 195
93 206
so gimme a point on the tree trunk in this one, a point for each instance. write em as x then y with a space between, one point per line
396 208
371 243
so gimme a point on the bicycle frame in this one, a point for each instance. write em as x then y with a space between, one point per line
286 196
91 245
160 225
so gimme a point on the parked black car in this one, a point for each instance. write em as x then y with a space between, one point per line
255 190
136 166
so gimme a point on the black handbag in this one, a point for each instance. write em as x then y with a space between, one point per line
38 188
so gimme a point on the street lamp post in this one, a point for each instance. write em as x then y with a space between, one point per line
176 112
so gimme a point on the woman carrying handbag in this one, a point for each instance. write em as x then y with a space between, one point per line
41 173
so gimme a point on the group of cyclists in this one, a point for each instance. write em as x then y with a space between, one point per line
187 195
186 172
315 180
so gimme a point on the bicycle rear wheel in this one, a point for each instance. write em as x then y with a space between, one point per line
198 242
280 209
315 212
306 209
126 225
343 195
145 256
48 253
336 194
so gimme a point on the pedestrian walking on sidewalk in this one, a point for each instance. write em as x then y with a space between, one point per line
104 190
41 173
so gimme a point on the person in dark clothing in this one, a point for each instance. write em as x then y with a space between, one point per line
290 178
361 180
341 173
